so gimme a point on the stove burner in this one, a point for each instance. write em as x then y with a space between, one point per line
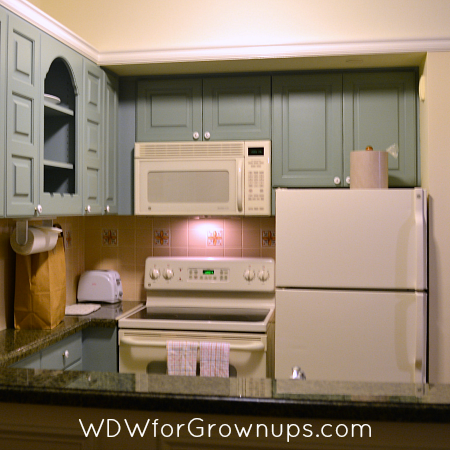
201 314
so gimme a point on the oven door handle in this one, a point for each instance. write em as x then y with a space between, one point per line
251 346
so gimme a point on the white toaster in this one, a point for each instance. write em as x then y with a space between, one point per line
100 286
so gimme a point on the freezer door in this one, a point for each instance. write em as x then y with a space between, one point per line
356 239
351 335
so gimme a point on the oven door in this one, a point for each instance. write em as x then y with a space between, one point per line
189 187
144 351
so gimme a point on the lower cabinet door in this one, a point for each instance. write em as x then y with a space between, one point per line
63 354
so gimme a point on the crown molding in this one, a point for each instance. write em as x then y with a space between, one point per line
43 21
273 51
46 23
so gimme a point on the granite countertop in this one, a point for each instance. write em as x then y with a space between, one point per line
243 396
18 344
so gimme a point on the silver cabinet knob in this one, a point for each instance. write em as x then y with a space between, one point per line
196 135
107 209
298 374
66 354
88 208
337 181
38 209
347 180
207 135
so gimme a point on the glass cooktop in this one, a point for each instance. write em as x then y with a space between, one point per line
201 314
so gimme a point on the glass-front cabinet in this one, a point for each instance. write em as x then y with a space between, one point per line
60 167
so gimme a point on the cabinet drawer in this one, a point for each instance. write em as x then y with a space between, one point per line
31 362
63 354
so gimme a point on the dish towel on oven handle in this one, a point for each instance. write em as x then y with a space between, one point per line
215 359
182 358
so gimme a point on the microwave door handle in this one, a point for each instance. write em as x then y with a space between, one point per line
240 184
252 346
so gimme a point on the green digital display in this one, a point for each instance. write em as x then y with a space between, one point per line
208 272
256 151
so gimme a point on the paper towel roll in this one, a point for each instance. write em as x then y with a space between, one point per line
368 170
40 239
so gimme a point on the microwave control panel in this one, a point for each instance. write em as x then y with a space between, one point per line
258 178
213 274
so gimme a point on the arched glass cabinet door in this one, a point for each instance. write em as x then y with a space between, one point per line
60 164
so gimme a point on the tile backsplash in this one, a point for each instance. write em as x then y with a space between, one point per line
123 243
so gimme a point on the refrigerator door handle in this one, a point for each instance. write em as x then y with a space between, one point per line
420 362
421 230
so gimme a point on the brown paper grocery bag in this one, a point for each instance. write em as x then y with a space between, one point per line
40 295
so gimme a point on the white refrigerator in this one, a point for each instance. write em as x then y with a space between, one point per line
351 296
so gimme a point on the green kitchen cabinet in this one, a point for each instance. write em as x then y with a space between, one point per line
111 144
23 106
237 108
93 138
380 110
215 108
92 349
30 362
64 355
307 130
169 110
100 351
60 178
3 37
318 119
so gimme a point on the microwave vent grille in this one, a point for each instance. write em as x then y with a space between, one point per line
186 150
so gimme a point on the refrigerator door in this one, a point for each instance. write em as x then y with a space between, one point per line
368 239
351 335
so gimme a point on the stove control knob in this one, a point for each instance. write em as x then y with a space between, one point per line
167 274
249 274
154 274
263 275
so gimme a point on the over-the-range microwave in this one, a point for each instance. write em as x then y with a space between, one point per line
203 178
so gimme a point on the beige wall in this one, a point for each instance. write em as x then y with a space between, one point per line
117 25
435 147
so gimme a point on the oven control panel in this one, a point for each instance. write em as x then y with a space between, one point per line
215 274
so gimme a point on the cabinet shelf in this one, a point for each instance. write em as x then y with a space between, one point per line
57 164
57 110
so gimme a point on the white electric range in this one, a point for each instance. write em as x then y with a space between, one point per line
203 299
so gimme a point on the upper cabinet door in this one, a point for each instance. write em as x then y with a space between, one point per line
237 108
111 173
93 138
23 107
169 110
307 130
3 38
380 109
61 165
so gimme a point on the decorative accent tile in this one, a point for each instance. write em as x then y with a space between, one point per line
268 238
68 239
161 237
215 238
109 237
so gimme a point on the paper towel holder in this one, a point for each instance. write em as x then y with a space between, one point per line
22 229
